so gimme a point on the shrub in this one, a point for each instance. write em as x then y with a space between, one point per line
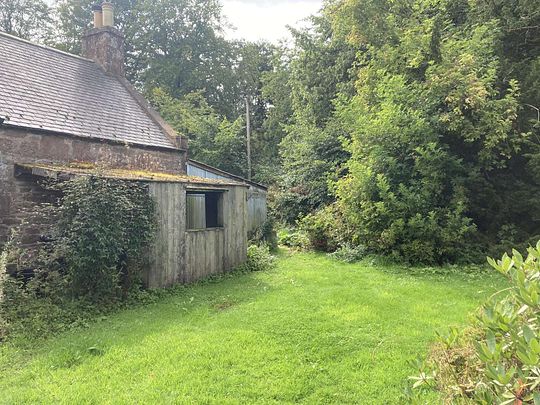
90 261
103 229
349 253
293 238
326 229
498 359
259 258
265 234
321 229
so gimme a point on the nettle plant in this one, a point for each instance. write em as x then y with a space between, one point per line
497 361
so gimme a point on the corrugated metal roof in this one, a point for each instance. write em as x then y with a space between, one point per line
200 169
45 89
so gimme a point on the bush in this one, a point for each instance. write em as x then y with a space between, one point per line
265 234
320 229
293 238
259 258
327 229
103 229
349 254
90 261
497 360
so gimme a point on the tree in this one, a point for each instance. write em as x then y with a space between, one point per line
321 68
254 60
441 147
212 139
28 19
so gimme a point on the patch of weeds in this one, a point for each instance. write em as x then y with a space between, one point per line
224 303
349 253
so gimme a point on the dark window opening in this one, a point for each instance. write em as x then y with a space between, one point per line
204 209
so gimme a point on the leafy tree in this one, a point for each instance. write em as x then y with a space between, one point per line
254 61
276 94
212 139
29 19
311 151
439 142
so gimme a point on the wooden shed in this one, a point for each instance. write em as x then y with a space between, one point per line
201 223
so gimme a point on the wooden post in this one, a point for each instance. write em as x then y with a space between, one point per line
248 135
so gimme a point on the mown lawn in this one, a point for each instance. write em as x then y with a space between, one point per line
313 331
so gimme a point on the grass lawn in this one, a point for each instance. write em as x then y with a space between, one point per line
313 331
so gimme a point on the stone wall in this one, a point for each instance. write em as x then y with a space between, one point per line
18 194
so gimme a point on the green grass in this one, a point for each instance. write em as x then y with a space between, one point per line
312 331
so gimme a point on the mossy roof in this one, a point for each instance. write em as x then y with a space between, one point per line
89 169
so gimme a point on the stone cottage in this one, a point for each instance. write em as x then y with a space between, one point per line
65 115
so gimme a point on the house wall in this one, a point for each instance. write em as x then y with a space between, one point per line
167 257
185 256
26 146
178 255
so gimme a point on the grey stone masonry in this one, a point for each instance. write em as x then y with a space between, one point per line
105 46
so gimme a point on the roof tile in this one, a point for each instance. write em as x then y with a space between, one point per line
47 89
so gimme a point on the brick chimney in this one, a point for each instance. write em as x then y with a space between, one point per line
104 44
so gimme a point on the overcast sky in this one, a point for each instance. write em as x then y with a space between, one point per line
266 19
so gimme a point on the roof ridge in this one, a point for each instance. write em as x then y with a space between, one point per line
62 111
46 47
167 130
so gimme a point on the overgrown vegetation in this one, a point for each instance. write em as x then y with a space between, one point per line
435 106
259 258
89 261
497 360
265 234
408 129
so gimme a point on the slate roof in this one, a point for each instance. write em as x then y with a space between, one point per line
46 89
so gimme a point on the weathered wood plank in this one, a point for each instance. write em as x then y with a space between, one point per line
181 255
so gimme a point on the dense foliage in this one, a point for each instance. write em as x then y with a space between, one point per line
103 228
441 143
417 122
425 136
90 259
321 67
213 139
497 360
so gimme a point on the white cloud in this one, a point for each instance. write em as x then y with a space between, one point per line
265 19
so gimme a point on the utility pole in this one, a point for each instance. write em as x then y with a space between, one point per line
248 135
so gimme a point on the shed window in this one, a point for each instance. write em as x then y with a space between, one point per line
204 209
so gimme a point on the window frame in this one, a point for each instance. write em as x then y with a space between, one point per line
213 217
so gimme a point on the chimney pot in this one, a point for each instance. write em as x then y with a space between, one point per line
104 44
98 16
108 14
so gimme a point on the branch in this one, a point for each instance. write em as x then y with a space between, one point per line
529 27
537 111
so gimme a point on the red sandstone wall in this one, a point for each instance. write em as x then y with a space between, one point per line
24 146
